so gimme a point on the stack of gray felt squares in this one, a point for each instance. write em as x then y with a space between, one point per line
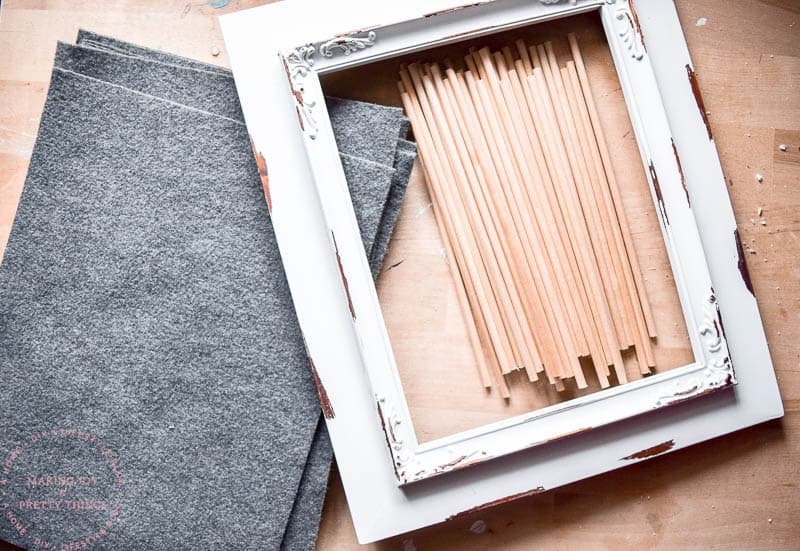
143 301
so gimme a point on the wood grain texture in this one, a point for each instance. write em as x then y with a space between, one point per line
720 494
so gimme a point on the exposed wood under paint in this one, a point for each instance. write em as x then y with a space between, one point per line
680 170
344 277
494 503
698 97
327 408
388 440
663 447
455 9
742 262
263 173
635 24
657 188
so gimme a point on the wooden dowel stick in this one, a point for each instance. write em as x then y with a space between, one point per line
503 164
500 276
564 128
556 318
535 61
456 201
522 49
565 249
480 188
476 326
534 305
507 57
580 178
541 195
567 179
531 285
478 291
579 233
534 365
598 181
553 367
496 201
600 244
562 175
613 185
638 329
534 178
508 357
575 240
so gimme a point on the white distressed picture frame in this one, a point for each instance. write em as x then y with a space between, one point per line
276 74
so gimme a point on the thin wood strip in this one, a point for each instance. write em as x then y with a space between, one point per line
596 232
606 299
553 367
503 164
464 232
555 316
477 291
553 114
564 177
482 348
643 346
533 291
564 246
600 245
496 199
561 111
522 49
584 270
555 156
458 99
457 201
503 196
579 230
500 275
596 182
613 186
548 210
554 267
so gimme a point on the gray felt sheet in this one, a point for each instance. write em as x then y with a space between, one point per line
363 130
109 44
391 211
301 530
204 91
166 79
144 302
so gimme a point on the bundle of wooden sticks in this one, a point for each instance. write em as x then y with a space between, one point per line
530 210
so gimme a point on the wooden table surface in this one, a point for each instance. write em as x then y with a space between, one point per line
737 492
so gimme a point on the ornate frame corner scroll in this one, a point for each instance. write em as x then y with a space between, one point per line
299 63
